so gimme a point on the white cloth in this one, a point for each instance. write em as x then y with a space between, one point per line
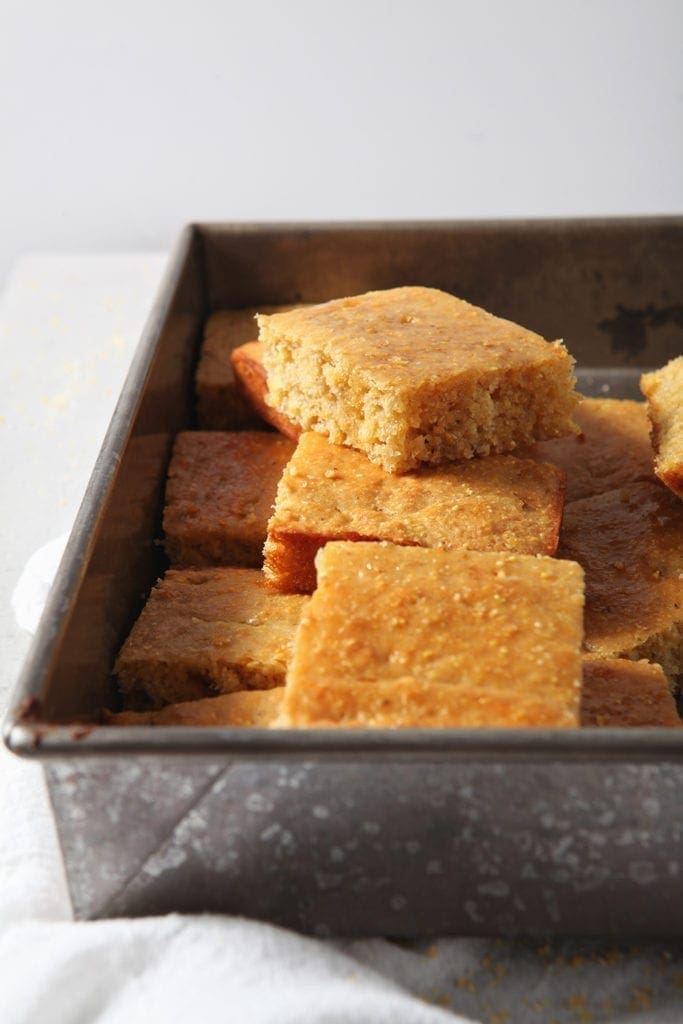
210 969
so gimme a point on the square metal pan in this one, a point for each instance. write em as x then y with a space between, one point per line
353 832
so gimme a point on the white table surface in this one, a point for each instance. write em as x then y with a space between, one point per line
68 327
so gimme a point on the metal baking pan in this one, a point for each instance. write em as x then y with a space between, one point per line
401 832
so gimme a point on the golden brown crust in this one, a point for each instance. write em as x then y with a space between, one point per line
411 703
630 544
329 492
413 375
219 495
619 693
252 381
664 392
612 450
247 708
208 631
390 629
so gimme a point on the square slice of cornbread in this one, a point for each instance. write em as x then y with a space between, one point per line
219 403
219 495
208 631
397 636
630 544
612 450
413 375
329 492
663 390
246 708
619 693
252 382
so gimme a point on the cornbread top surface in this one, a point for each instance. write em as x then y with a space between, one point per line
403 337
223 481
664 392
630 543
255 708
204 615
496 503
613 448
490 626
625 694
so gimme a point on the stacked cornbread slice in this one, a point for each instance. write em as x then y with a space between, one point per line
418 496
413 375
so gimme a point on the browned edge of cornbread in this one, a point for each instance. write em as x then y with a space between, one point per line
252 382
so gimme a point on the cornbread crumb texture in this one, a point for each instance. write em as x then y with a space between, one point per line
252 382
219 495
413 375
664 392
329 492
398 636
208 631
630 544
254 708
612 450
220 406
622 694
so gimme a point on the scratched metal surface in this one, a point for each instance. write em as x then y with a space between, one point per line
388 849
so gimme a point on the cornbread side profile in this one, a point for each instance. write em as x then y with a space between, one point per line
397 636
619 693
246 708
630 544
663 390
208 631
413 375
329 492
220 406
252 381
612 450
219 495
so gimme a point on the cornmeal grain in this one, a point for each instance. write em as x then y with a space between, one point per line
664 392
612 450
208 631
397 636
630 544
252 381
219 495
328 492
413 375
247 708
619 693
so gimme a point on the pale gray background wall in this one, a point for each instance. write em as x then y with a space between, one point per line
122 120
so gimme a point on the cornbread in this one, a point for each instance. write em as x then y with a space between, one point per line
622 694
664 392
219 495
630 544
252 382
397 636
220 406
413 375
255 708
612 450
208 631
328 492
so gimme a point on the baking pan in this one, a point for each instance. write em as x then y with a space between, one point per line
353 832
